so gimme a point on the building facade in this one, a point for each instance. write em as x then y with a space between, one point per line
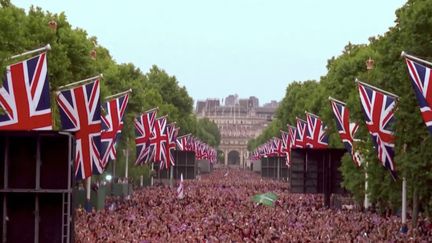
238 120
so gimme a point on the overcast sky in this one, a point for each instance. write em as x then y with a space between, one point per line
221 47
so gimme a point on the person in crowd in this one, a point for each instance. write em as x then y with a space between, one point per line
218 208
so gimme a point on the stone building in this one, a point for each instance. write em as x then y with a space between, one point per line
238 120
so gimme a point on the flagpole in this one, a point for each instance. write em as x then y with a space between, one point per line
152 109
403 54
87 80
171 175
119 94
291 126
298 118
151 174
366 198
127 159
335 100
311 114
278 167
45 48
404 201
88 193
378 89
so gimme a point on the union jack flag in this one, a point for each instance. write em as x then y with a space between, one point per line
158 140
112 124
25 97
170 145
285 140
379 115
143 131
346 129
80 112
278 147
183 142
316 135
288 139
301 139
421 77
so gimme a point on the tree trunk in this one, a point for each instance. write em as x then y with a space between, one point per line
415 208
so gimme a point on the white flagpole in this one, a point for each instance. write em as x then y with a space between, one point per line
119 94
87 80
376 88
127 159
312 114
171 175
366 197
45 48
88 191
403 54
404 201
151 174
335 100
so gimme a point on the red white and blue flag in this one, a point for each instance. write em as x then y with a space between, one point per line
379 109
143 131
25 97
183 143
278 147
80 112
112 124
301 138
316 135
288 139
158 141
421 77
346 129
170 145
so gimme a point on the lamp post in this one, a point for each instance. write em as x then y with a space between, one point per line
52 25
369 66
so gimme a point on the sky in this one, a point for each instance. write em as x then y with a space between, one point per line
221 47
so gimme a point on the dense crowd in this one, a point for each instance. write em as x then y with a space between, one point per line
218 208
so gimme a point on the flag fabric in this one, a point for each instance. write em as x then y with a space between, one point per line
288 139
421 77
301 139
267 199
183 142
143 131
25 96
346 129
158 141
170 145
285 141
316 135
80 112
180 189
278 145
378 108
112 124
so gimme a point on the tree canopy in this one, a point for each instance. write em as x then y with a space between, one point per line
71 60
412 33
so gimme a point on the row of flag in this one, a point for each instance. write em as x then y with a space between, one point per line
155 140
25 105
378 107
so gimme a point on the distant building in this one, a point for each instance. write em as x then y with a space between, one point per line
272 103
231 100
238 120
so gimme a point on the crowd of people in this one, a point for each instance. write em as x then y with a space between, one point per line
218 208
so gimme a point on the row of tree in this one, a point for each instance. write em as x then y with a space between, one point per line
412 33
75 56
